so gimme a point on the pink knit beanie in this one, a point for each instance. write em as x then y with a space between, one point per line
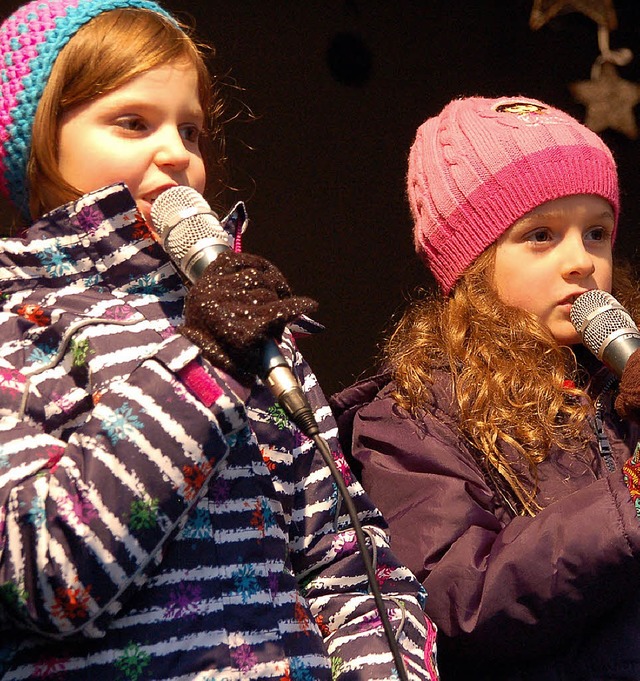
482 164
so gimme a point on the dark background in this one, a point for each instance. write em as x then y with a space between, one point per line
337 89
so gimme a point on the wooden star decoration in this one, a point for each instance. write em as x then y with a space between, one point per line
601 11
609 100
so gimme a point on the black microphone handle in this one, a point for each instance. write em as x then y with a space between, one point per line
279 378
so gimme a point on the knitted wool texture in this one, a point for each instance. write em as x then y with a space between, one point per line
482 164
30 41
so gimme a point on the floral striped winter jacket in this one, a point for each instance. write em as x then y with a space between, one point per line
157 522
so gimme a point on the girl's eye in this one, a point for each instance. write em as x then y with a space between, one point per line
131 123
597 234
190 133
539 236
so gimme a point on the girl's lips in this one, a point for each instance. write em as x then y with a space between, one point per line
145 202
570 300
151 196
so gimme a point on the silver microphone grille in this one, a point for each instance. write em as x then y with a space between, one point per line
182 217
597 315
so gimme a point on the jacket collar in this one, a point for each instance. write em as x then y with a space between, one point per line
100 238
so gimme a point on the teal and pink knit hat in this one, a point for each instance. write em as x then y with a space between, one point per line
30 41
482 164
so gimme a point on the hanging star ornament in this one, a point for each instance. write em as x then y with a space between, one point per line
601 11
609 99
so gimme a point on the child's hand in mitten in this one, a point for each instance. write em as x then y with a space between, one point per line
627 402
239 302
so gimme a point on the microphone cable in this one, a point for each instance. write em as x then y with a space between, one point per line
313 432
278 376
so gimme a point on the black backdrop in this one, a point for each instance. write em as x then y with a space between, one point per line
337 88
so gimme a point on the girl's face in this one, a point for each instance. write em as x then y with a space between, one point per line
553 254
145 133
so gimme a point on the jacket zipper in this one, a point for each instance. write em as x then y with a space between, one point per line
604 445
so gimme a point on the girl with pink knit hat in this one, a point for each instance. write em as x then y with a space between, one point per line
160 515
502 452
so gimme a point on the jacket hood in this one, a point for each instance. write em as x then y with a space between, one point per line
346 403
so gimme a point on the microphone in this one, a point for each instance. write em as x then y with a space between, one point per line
606 328
192 236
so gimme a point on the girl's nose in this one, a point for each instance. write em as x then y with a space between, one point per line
577 260
172 151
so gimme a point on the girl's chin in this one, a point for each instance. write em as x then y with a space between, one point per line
564 332
568 338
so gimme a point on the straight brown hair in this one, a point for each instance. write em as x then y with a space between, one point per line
104 54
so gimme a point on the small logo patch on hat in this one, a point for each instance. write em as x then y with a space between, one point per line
525 113
521 108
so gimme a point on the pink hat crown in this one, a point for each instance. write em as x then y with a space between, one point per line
482 164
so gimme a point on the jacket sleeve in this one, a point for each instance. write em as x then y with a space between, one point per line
328 563
84 515
504 589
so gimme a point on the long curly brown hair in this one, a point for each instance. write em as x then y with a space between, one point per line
508 372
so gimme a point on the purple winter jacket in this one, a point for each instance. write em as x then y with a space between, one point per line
547 597
157 519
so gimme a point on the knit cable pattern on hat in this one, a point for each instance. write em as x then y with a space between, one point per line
30 41
482 164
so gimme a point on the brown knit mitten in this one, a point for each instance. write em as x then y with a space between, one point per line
627 402
239 302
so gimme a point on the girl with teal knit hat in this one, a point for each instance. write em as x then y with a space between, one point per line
160 516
